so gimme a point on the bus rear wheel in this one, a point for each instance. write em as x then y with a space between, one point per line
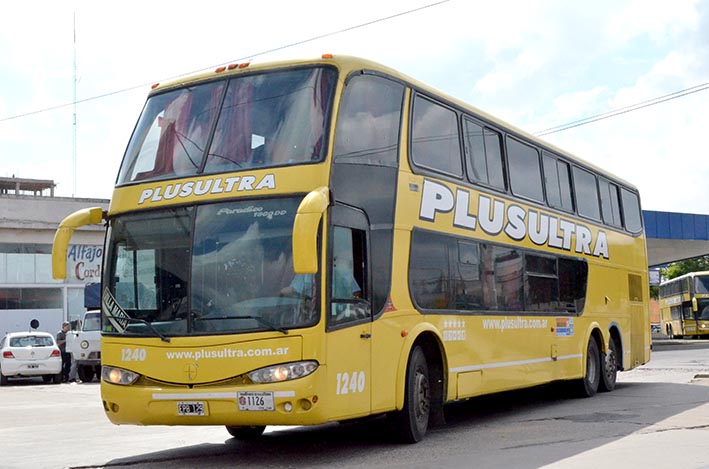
246 432
588 385
609 368
411 422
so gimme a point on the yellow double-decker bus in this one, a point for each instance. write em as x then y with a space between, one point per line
684 305
321 240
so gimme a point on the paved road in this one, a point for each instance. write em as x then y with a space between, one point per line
657 417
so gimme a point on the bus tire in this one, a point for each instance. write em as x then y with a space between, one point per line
411 422
246 432
588 385
609 368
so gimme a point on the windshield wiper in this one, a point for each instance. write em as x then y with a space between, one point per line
141 321
255 318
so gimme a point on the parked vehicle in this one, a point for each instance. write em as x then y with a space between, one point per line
29 354
85 346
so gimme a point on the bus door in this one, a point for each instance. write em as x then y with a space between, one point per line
349 315
690 321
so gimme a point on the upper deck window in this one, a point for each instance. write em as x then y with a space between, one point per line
434 141
483 155
252 121
631 211
525 170
610 203
557 183
586 193
368 121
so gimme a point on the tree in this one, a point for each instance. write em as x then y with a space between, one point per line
676 269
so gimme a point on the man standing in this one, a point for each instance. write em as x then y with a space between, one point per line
66 356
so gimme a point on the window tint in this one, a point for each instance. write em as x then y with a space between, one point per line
542 285
272 119
573 274
251 121
631 211
435 143
610 202
31 298
483 155
525 173
429 274
348 276
450 273
32 341
586 193
368 121
507 278
557 183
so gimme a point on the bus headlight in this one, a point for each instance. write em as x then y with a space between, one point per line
283 372
84 344
114 375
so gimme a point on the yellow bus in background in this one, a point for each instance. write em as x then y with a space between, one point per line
684 305
310 241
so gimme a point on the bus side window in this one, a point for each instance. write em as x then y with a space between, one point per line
368 121
434 138
557 183
483 155
525 170
586 189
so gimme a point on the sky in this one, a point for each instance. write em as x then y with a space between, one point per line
536 64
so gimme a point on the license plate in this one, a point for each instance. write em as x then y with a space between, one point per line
190 408
32 366
258 401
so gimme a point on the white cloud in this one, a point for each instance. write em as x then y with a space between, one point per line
659 19
535 64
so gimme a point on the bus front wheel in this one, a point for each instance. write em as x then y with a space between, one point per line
411 422
246 432
588 385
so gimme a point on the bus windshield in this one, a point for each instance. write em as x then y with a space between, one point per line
703 310
208 269
701 285
249 121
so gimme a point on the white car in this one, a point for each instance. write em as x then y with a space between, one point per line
27 354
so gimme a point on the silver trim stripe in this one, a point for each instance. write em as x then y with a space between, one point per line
210 395
533 361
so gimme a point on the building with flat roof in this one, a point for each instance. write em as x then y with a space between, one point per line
29 217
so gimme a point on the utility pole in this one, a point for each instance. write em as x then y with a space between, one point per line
73 192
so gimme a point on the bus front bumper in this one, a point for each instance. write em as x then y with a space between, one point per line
296 402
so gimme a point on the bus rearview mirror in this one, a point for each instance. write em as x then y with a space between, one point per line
305 230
